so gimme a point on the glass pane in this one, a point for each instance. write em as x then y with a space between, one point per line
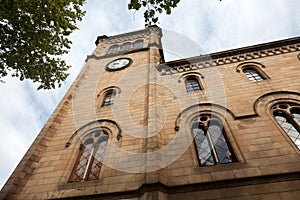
113 49
109 98
138 44
296 135
203 148
297 142
192 84
220 143
82 163
125 47
289 129
98 159
297 118
253 75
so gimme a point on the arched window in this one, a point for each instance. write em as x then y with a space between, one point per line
192 84
288 117
90 157
253 70
113 49
210 142
138 44
125 47
253 75
109 97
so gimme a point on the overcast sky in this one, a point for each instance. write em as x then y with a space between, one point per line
211 24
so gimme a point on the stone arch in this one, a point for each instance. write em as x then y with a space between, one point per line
265 102
109 126
255 67
189 112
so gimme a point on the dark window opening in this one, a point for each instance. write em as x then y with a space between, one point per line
109 98
192 84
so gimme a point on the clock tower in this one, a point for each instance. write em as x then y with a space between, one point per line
105 112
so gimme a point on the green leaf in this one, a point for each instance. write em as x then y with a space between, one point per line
34 36
152 7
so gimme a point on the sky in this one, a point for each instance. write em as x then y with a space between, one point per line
211 24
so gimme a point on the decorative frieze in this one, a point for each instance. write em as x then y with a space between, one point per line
150 36
212 60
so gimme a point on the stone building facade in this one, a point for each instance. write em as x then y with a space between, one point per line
220 126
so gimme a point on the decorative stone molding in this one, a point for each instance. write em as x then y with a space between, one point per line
111 127
196 74
123 37
258 67
265 102
151 36
241 66
129 37
229 57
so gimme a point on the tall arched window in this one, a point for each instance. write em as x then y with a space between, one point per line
288 117
192 84
90 157
253 75
113 49
210 142
109 98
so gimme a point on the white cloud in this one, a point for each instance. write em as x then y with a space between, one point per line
213 25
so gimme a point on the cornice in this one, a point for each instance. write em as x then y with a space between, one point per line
231 56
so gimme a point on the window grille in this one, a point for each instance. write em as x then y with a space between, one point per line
90 157
253 75
192 84
287 116
210 142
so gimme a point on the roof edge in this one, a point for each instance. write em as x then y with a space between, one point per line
237 51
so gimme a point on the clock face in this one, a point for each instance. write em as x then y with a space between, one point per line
118 64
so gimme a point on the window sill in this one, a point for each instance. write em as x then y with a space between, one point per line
221 167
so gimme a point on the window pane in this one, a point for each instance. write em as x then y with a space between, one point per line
109 98
297 142
138 44
98 159
192 84
203 148
297 118
82 163
289 129
113 49
253 75
219 142
125 47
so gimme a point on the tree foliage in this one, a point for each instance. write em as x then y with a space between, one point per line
152 8
34 36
